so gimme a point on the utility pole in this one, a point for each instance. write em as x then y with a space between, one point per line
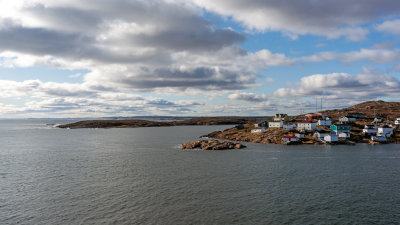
321 103
316 104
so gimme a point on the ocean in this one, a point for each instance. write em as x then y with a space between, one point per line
141 176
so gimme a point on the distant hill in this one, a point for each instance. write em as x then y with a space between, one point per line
382 109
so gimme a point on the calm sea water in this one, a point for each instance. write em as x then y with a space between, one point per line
140 176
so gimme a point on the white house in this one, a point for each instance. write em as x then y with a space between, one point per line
385 131
280 117
255 131
397 121
326 122
378 138
331 138
289 126
370 129
289 138
344 135
276 124
346 119
299 135
306 126
321 134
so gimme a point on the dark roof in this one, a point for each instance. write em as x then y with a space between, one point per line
341 125
323 131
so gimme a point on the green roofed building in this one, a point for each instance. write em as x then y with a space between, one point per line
341 130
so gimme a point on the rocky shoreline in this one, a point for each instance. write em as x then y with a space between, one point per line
273 136
212 145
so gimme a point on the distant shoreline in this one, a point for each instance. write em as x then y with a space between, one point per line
147 123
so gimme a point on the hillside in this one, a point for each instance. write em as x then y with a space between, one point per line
381 109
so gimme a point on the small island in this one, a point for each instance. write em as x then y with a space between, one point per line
212 145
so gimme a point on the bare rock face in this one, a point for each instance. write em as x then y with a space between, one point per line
272 136
212 145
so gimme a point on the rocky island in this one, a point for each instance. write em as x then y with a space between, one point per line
212 145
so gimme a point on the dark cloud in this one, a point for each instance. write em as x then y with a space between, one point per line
88 33
327 18
199 78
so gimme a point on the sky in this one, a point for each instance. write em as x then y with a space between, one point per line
85 58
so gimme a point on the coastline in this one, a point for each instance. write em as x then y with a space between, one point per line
147 123
300 129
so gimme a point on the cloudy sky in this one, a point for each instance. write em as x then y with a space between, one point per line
85 58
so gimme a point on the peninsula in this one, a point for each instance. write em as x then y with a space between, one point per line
147 123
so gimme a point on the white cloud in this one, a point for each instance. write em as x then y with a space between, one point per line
368 85
269 80
392 26
69 100
248 97
375 55
75 75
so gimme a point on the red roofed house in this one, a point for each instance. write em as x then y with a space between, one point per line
314 116
289 138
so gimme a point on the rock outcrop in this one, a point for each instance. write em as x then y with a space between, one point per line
273 136
212 145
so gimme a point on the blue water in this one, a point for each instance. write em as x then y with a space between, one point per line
140 176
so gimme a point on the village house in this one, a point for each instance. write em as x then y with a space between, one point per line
275 124
287 139
256 131
263 124
321 134
299 135
347 119
385 131
289 126
332 137
280 117
341 130
370 129
306 126
314 116
357 115
325 122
